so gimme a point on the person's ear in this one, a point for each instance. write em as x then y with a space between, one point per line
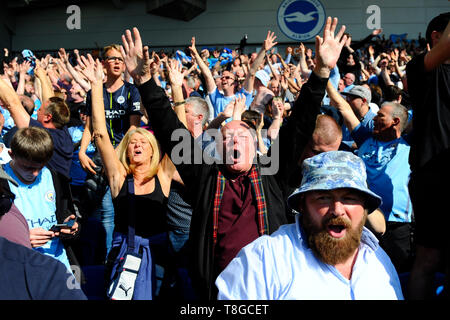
48 117
435 36
396 121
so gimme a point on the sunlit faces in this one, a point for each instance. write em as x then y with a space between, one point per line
350 60
239 146
383 121
341 85
227 80
333 221
139 149
26 170
191 118
349 79
114 63
42 112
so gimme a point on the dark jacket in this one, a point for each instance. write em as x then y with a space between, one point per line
26 274
200 179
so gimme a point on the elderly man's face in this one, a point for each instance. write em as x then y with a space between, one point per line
239 146
349 78
383 122
333 221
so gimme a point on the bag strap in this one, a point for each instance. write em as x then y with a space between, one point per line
131 213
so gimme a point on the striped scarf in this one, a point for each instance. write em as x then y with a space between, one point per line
258 194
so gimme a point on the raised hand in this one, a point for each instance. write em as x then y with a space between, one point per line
136 57
92 70
63 55
239 106
329 47
175 73
192 47
228 110
376 32
24 67
277 108
270 42
302 48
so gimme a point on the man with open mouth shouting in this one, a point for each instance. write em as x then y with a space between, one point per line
327 253
234 203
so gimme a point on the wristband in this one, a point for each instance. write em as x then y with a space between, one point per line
176 104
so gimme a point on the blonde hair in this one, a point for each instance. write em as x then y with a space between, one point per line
123 156
107 48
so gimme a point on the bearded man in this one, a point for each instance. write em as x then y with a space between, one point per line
327 253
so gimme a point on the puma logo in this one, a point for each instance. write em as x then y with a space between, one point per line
125 289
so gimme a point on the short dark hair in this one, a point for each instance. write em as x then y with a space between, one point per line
392 93
32 144
60 112
438 24
251 116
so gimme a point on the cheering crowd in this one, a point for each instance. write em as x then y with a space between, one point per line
217 173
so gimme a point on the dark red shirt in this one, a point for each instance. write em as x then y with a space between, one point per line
237 220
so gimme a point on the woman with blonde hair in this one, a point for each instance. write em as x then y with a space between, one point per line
139 178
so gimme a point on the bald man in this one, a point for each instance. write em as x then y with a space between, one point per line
237 201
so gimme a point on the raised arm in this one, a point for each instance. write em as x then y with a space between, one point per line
268 43
350 119
23 68
296 133
74 73
277 116
12 103
305 72
165 122
115 172
174 69
47 88
206 72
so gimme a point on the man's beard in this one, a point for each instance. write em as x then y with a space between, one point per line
328 249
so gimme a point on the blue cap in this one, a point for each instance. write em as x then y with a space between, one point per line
27 54
334 170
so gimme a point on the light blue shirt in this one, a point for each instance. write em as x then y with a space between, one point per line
388 173
9 122
37 203
367 121
282 267
219 101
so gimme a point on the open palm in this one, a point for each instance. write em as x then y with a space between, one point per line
329 47
136 57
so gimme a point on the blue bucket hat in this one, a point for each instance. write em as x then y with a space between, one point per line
334 170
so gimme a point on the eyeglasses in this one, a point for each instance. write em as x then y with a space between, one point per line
112 59
6 201
227 77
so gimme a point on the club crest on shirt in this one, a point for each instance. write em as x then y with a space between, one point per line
50 196
121 99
